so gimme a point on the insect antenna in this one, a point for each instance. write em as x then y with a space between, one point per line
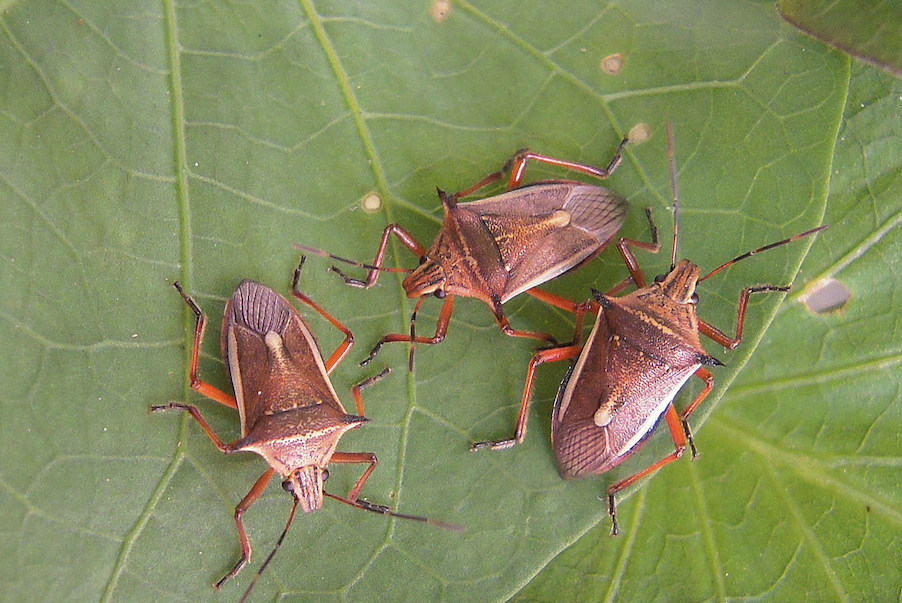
673 189
676 223
413 334
359 504
383 510
338 258
749 254
272 554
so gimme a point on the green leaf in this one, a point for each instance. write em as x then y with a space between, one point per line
871 32
144 143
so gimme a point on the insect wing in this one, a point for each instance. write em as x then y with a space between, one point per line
546 229
274 362
615 393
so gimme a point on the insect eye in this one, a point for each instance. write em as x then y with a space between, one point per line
423 259
660 278
288 486
325 474
694 298
439 293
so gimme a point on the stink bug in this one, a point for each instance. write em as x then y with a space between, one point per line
290 414
494 249
643 348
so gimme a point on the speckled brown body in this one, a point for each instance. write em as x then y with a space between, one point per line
496 248
643 348
290 414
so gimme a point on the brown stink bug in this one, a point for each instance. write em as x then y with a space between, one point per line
643 348
494 249
290 414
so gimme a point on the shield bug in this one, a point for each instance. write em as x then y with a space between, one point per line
289 411
494 249
643 348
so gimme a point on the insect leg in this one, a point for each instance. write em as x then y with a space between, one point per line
623 246
516 165
243 506
345 346
195 414
540 357
519 160
403 236
197 385
505 326
441 328
491 178
509 330
679 442
272 553
245 503
577 309
357 457
369 457
719 336
708 378
355 391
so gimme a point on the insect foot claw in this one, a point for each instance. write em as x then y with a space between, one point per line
165 407
350 281
612 511
499 445
234 571
372 355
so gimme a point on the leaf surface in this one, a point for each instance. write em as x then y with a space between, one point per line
142 143
869 32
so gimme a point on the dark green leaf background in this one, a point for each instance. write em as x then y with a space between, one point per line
869 31
146 142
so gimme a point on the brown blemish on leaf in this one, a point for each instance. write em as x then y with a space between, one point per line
439 10
371 202
639 133
612 64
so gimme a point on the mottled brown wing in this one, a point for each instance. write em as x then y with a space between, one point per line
580 447
546 229
616 392
276 373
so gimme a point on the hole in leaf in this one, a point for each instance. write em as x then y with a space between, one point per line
826 295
